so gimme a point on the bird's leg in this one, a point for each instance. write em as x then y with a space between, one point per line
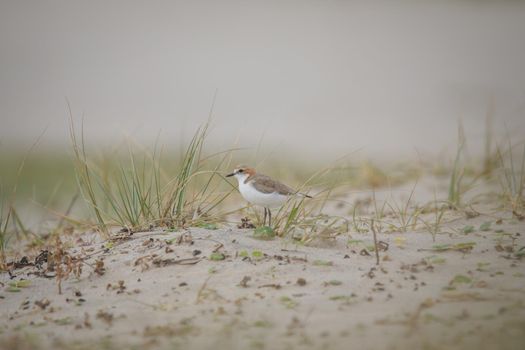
269 218
264 220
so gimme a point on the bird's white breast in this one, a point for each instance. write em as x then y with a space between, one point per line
268 200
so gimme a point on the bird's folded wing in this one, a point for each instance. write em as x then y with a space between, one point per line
266 184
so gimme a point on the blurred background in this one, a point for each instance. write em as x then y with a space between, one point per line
317 78
307 80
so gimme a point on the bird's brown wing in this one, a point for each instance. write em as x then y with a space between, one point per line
265 184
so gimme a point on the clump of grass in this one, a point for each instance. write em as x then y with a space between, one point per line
512 180
136 192
176 201
434 226
84 174
9 218
303 218
379 211
359 224
403 215
9 215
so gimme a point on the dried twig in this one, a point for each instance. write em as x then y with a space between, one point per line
375 241
166 262
201 289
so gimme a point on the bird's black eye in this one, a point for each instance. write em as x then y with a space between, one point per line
240 171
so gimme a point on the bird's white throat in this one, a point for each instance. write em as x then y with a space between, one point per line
241 177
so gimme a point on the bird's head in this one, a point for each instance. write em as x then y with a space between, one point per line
242 172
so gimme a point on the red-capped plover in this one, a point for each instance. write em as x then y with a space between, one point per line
262 190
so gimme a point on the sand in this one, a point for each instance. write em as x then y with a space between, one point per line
160 289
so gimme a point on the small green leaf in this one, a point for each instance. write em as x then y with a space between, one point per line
485 226
13 289
288 302
322 263
468 229
63 321
209 226
257 254
371 248
441 247
264 232
434 259
217 256
345 298
354 241
482 266
458 279
333 283
243 253
520 253
262 324
464 246
20 284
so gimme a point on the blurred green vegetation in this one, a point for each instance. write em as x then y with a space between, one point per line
44 174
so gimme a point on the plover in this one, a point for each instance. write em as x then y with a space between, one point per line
262 190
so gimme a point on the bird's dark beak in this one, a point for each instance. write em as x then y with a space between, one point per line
230 174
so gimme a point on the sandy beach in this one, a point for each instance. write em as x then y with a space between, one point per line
224 289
